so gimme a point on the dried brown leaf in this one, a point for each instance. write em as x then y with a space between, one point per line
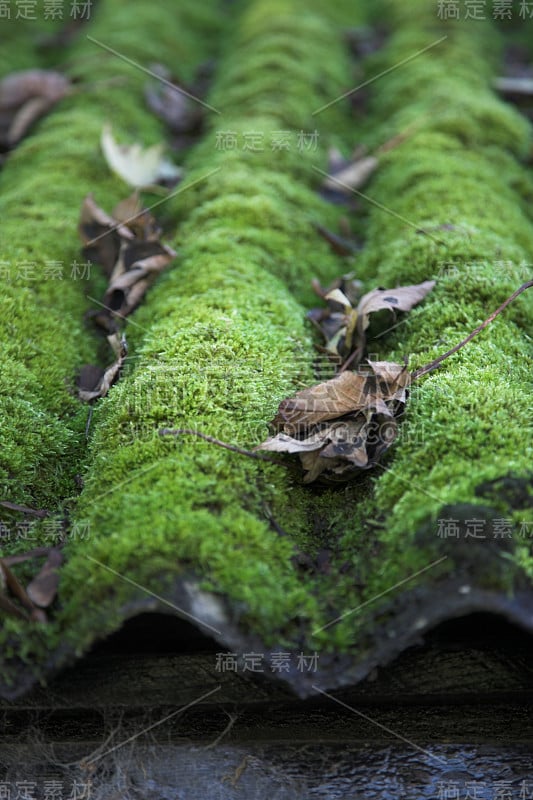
344 425
348 285
351 175
43 588
344 394
15 587
334 398
139 220
102 380
401 299
25 97
344 325
126 245
101 235
283 443
138 266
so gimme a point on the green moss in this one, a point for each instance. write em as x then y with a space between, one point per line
21 40
45 291
466 423
42 308
216 346
524 559
222 339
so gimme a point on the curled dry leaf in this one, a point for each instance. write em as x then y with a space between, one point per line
101 234
25 97
94 382
15 587
8 580
345 176
138 266
127 245
43 588
348 284
401 299
330 320
137 166
343 425
344 327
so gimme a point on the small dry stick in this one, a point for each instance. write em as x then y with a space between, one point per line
400 137
235 777
435 363
233 447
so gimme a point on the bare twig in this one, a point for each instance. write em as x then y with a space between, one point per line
435 363
233 447
34 512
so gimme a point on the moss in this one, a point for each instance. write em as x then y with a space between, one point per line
216 346
21 39
43 307
468 422
45 290
524 559
222 339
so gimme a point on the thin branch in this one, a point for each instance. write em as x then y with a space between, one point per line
433 364
355 355
233 447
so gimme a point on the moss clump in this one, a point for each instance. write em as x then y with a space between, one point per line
468 422
221 340
46 288
43 183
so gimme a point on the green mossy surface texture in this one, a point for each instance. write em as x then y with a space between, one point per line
222 338
46 284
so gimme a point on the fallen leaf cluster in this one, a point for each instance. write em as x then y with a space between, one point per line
25 97
28 603
344 175
345 320
127 246
342 426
